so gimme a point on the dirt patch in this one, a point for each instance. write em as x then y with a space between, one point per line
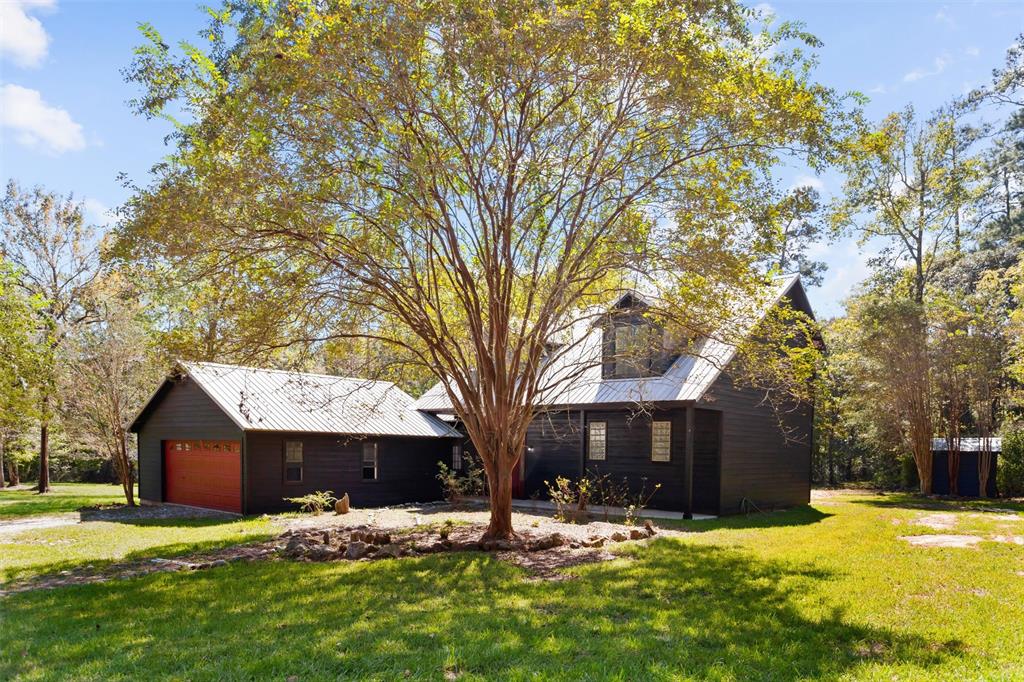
1009 539
120 513
942 540
413 516
37 523
938 521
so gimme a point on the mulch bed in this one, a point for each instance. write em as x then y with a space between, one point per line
542 554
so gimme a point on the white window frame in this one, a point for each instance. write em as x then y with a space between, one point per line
600 452
374 461
661 444
290 461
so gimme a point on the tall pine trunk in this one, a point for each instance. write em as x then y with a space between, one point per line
44 458
3 442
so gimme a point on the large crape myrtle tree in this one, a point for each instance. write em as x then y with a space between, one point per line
461 180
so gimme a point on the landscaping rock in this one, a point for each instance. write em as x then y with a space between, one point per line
341 505
218 562
650 529
390 550
468 546
355 550
296 546
326 537
637 534
547 542
619 536
320 553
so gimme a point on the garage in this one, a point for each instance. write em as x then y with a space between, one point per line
204 473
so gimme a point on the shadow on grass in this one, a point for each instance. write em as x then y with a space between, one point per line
943 503
226 538
670 610
796 516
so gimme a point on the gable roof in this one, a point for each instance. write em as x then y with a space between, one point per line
687 379
274 400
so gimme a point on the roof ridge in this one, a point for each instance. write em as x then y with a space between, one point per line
194 363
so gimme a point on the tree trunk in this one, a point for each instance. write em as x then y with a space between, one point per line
500 484
14 476
123 464
44 458
2 443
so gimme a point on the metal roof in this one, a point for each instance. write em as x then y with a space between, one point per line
689 377
275 400
972 444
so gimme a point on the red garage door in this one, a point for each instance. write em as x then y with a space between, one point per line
204 473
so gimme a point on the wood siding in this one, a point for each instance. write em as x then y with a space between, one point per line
761 461
407 469
556 442
182 412
967 480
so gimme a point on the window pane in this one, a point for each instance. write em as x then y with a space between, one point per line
293 451
370 461
293 473
598 440
661 441
457 457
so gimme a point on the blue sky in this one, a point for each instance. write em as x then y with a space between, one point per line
65 124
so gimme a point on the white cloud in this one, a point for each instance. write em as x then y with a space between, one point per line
34 123
972 51
765 11
808 181
943 17
22 37
97 213
939 65
879 89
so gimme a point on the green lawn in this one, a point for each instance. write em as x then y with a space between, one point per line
822 592
63 497
49 550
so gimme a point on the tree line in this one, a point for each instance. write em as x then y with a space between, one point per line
931 342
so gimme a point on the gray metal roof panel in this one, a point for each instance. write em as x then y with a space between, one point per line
275 400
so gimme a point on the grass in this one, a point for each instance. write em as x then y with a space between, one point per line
822 592
50 550
63 497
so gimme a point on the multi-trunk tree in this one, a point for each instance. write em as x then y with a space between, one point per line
473 177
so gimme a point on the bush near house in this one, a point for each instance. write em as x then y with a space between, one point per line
1010 475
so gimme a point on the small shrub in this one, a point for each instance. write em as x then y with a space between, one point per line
316 502
570 498
1010 474
446 529
457 485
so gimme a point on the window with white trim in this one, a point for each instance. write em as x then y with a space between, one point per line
370 460
293 461
598 440
661 441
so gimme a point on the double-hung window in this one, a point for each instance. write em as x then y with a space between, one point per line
457 457
370 462
293 461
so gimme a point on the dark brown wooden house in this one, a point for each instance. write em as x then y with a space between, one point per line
675 419
242 440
